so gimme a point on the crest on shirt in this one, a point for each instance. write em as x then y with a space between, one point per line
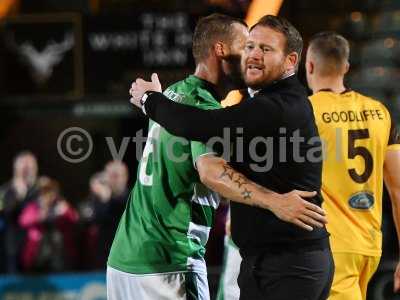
362 200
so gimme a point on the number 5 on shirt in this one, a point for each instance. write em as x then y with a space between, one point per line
145 175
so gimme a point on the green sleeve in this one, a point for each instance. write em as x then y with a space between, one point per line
198 149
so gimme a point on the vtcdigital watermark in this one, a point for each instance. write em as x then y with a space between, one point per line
75 145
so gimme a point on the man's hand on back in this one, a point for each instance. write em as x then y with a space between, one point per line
292 208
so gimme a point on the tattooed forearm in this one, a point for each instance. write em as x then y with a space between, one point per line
229 173
219 176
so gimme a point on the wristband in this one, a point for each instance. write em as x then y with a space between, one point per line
143 100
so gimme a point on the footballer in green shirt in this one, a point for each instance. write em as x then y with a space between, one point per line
158 250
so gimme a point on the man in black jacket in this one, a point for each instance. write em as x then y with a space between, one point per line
280 260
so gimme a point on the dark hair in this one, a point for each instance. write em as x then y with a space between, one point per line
332 48
211 29
294 41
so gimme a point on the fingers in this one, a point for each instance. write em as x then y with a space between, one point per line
140 81
303 225
132 89
135 102
310 221
154 78
305 194
316 216
314 208
140 86
309 205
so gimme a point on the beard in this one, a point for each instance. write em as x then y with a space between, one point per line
233 73
268 77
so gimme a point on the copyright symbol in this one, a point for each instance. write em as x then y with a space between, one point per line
74 145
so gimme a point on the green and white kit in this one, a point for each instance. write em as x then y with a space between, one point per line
169 214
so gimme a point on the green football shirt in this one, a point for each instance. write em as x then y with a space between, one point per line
169 214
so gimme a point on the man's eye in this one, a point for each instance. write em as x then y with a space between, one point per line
265 50
249 47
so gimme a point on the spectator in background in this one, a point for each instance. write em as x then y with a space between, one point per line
50 236
91 211
101 212
14 195
117 175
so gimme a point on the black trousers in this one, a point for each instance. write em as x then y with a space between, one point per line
291 274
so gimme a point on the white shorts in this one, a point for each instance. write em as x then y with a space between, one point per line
163 286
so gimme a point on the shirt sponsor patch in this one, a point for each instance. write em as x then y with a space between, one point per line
362 200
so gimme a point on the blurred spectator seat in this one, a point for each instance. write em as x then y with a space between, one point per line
387 22
379 77
380 52
356 26
394 106
377 94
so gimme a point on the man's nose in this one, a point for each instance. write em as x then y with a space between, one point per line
256 53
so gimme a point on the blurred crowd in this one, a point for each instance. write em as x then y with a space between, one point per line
41 232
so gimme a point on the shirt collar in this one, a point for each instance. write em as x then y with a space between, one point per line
252 92
212 88
330 90
286 75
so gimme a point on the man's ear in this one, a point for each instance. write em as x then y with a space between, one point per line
220 49
291 61
309 67
346 67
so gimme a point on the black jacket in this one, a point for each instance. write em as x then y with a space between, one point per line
269 120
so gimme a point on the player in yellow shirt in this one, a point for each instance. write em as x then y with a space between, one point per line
362 148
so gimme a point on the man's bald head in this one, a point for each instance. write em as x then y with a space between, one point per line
330 53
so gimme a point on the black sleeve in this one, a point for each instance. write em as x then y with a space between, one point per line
254 116
394 137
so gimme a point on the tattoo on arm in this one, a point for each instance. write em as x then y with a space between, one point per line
240 180
228 172
237 178
246 194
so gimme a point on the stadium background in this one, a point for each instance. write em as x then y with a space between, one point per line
95 49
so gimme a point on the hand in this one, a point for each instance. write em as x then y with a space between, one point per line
103 192
292 208
396 279
140 86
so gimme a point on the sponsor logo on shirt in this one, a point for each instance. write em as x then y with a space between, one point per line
362 200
